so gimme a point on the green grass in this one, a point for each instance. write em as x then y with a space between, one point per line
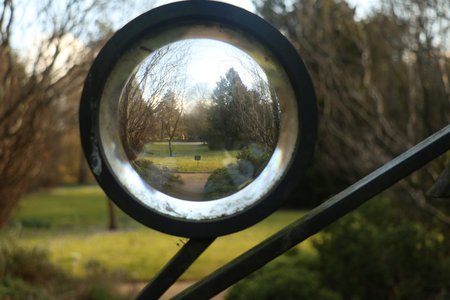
77 208
76 234
184 153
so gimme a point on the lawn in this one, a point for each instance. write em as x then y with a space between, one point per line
183 159
71 224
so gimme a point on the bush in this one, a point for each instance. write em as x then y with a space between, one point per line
29 274
256 156
16 288
376 253
99 290
373 253
224 181
161 178
292 276
30 265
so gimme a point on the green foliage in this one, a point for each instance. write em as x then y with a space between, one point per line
225 115
28 274
376 253
220 182
373 253
223 181
256 155
31 265
294 276
97 290
17 289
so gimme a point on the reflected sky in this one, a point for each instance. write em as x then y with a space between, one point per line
199 64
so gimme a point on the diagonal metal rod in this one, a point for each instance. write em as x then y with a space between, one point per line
320 217
174 269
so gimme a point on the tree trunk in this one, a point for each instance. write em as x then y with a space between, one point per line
170 148
112 216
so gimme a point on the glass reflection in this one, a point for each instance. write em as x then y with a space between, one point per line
198 119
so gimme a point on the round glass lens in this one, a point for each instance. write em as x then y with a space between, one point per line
198 119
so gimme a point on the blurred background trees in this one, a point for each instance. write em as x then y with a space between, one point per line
382 84
46 48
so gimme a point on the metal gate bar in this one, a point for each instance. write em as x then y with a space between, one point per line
174 268
318 218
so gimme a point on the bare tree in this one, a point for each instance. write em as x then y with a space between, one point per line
143 112
262 112
170 115
34 96
40 85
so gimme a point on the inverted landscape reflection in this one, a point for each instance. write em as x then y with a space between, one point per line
198 119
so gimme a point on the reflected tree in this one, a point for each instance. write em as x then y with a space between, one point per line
244 119
144 103
169 115
225 131
136 115
195 119
239 116
195 122
150 110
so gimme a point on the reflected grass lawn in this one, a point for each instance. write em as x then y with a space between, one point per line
76 235
183 159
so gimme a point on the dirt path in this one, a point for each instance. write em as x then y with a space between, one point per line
192 187
131 290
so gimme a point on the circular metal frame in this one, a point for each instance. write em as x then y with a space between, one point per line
108 67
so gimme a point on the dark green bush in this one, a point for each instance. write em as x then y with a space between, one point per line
224 181
373 253
291 277
35 223
376 253
17 289
98 290
219 183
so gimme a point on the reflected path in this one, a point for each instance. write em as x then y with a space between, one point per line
192 186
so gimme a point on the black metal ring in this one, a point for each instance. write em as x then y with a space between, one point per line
186 13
